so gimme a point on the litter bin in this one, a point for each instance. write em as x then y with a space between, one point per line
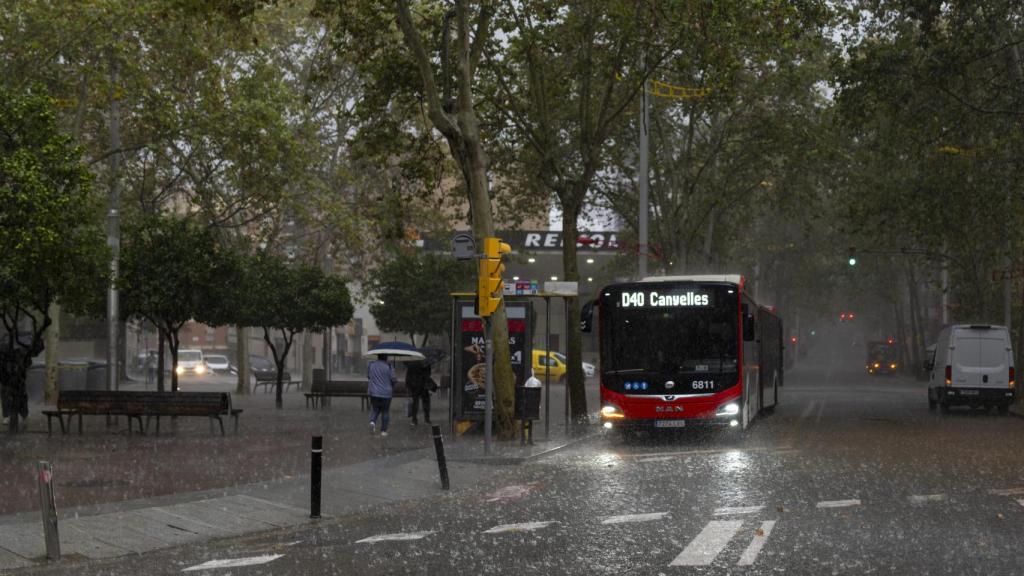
96 376
35 383
72 375
527 403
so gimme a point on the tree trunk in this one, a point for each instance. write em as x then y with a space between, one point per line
575 385
52 355
161 359
307 360
174 343
242 360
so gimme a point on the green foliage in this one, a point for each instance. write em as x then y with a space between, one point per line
411 292
290 299
52 247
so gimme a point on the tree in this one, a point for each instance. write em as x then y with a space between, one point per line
387 37
173 269
412 293
52 246
290 299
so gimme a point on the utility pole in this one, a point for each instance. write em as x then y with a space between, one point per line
114 226
642 173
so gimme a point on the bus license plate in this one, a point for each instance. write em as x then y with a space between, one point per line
669 423
968 392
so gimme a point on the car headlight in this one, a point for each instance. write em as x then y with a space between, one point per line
730 409
179 370
200 369
612 412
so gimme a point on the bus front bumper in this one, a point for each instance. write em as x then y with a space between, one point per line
619 411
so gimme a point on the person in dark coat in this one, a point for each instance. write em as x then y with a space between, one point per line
420 385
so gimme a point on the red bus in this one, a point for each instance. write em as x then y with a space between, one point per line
681 351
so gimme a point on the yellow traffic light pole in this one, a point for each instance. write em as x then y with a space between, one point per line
490 291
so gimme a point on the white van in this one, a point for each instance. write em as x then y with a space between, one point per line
190 362
972 364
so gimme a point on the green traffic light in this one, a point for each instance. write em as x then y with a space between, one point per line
853 261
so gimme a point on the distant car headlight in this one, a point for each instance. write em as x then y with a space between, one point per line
179 370
730 409
200 369
892 366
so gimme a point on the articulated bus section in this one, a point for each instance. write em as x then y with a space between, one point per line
680 351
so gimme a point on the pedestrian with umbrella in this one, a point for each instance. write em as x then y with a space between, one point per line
381 380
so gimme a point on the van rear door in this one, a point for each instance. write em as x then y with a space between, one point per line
980 358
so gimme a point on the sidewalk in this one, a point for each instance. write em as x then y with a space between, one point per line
160 505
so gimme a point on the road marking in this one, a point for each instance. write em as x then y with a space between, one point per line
634 518
703 549
924 498
807 411
234 563
514 492
654 459
730 510
1007 491
522 527
398 537
760 538
837 503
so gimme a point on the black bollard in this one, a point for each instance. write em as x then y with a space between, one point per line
442 465
316 465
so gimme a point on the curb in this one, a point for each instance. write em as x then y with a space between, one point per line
506 460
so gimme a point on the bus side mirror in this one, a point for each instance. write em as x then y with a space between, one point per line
749 328
587 316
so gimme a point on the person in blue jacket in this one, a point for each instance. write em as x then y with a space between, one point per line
381 381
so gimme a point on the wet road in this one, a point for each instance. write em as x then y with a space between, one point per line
851 475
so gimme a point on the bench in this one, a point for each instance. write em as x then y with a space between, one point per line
268 381
323 390
134 405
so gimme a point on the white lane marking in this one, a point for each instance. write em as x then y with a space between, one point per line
654 459
1007 491
807 411
634 518
730 510
514 492
837 503
397 537
924 498
760 538
703 549
521 527
234 563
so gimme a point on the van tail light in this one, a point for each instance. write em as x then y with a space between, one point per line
1012 383
949 375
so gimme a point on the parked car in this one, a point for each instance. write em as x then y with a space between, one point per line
588 369
218 364
190 362
972 365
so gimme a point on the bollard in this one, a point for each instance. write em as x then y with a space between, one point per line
442 465
48 508
316 465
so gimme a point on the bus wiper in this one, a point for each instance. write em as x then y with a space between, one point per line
625 370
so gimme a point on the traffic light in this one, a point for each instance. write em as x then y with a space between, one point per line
853 256
490 285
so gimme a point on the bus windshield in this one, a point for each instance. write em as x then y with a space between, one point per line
669 328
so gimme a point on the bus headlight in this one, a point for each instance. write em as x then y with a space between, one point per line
611 412
730 409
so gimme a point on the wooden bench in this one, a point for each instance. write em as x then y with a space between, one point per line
269 381
134 405
323 391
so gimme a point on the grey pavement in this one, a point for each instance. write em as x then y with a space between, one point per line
140 526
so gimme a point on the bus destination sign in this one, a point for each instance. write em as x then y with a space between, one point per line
654 299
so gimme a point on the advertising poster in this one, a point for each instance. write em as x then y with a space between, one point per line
470 375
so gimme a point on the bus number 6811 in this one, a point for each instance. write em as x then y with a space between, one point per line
703 384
